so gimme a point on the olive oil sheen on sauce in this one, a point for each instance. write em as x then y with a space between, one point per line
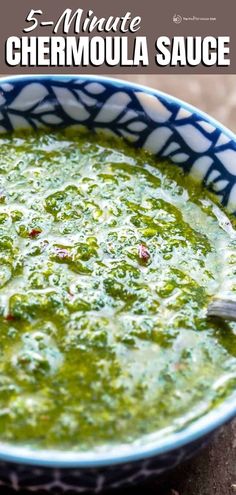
108 260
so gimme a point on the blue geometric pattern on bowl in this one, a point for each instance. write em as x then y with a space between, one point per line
166 127
83 480
161 124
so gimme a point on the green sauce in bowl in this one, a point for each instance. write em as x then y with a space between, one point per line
108 260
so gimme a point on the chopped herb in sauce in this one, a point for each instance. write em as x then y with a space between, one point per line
108 259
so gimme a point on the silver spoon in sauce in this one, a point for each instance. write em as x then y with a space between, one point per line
222 308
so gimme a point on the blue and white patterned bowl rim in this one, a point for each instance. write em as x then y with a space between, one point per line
151 445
